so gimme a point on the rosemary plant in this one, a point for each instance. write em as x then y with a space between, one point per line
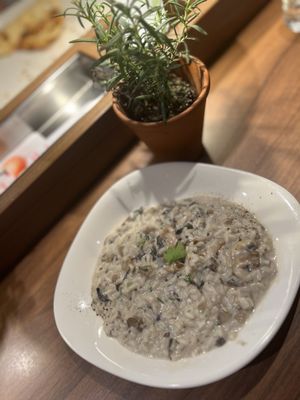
142 44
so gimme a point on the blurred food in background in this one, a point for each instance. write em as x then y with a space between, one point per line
35 28
20 158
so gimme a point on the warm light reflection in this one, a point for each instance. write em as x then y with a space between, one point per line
24 362
60 99
105 354
100 331
83 305
48 87
70 108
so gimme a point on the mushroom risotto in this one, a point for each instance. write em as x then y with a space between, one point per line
181 278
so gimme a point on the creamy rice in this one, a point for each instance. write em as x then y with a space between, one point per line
181 278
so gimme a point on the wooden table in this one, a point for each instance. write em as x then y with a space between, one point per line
252 123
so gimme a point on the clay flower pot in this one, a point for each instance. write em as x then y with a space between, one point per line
180 138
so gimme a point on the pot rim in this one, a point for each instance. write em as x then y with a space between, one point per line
202 95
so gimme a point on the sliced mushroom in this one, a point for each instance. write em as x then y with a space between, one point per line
220 341
232 281
170 347
135 322
101 296
223 317
160 242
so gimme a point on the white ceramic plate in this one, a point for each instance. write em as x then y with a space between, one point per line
82 329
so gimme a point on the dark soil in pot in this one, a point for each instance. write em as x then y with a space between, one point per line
181 96
180 137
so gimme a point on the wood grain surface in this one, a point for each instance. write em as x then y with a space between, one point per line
252 123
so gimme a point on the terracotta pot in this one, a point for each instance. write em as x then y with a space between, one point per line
180 138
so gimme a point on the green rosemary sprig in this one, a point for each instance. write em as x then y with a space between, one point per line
140 43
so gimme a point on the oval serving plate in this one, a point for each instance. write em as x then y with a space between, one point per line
79 326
